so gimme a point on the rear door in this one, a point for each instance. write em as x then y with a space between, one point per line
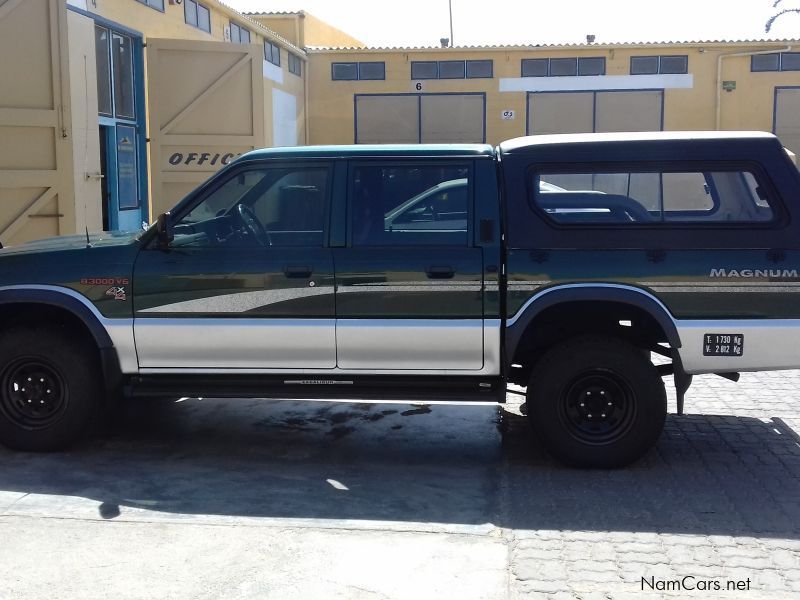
409 281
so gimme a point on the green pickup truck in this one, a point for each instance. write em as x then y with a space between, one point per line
564 264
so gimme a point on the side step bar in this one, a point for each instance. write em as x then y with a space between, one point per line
481 389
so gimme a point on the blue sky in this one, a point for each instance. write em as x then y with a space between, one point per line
423 22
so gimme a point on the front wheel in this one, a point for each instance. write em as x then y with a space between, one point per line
49 388
596 401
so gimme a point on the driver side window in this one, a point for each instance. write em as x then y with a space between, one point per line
272 206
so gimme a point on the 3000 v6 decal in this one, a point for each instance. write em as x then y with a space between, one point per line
105 281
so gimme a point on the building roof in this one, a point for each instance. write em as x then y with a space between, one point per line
557 46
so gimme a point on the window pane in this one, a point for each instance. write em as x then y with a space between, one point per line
159 4
234 33
122 67
560 67
344 71
592 66
790 61
371 70
534 67
288 203
479 69
295 64
190 12
674 64
101 43
203 18
424 70
276 55
452 69
644 65
244 35
651 197
410 205
765 62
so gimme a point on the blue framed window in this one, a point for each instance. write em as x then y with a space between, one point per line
354 71
157 4
665 65
272 53
765 62
783 61
535 67
116 92
197 15
372 70
480 69
452 69
790 61
295 64
239 34
563 67
424 69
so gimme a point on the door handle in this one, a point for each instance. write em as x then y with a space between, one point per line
440 272
299 272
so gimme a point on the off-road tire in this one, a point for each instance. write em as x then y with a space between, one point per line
596 402
50 388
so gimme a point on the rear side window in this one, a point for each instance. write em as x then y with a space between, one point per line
646 197
409 205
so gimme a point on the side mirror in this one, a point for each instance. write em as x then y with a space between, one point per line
164 230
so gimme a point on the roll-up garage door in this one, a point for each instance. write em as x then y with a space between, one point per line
787 117
568 112
418 118
452 118
384 119
628 111
587 112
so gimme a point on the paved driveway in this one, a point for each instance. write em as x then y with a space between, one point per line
247 499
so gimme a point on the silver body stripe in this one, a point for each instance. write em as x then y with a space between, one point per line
401 344
491 364
769 344
240 301
245 301
260 343
119 330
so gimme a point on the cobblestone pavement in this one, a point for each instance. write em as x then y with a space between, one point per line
249 499
719 500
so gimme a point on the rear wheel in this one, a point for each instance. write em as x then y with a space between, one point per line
596 401
49 388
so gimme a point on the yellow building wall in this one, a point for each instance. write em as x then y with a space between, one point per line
171 23
304 29
287 26
750 106
317 32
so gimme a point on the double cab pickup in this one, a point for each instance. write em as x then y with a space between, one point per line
587 269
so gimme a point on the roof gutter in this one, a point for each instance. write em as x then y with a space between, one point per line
720 58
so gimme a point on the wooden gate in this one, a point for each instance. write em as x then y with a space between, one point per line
206 103
36 179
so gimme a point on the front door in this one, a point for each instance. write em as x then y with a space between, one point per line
247 282
409 283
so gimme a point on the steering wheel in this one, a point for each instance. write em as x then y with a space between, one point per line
253 225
